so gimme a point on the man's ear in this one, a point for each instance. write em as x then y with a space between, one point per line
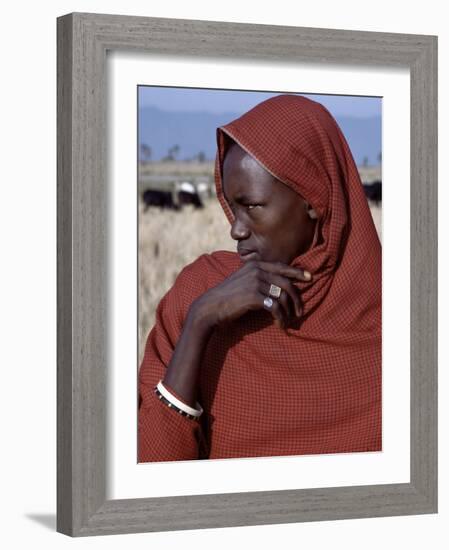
311 212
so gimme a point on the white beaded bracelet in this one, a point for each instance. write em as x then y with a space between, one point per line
177 403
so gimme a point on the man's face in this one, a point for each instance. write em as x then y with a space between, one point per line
271 219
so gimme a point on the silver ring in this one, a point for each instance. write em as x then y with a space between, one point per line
268 303
275 291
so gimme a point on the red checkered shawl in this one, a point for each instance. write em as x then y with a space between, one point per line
265 392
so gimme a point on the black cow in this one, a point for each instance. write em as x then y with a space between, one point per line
187 197
373 191
162 199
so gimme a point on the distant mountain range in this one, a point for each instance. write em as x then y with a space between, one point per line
195 132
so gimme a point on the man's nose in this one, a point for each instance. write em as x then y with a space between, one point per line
239 230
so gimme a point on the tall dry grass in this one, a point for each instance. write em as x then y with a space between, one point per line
169 240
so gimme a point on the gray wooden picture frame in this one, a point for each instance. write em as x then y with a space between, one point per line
82 244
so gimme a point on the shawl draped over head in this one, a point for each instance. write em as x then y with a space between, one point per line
316 387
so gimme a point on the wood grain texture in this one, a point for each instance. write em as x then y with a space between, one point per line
423 272
83 229
64 277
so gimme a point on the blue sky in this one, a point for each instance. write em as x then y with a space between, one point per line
189 117
220 101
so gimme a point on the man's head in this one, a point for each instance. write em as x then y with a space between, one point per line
270 219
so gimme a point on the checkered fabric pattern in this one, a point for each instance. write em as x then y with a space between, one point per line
312 389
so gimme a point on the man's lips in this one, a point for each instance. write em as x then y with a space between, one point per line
246 254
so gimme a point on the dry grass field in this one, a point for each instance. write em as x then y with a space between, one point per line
169 240
189 169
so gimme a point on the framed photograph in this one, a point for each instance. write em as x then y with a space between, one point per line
156 148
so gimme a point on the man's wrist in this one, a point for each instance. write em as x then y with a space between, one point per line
200 318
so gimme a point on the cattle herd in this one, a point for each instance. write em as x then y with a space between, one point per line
373 191
174 199
186 193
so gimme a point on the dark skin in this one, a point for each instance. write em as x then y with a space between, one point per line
276 225
270 217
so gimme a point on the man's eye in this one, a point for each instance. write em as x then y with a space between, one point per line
251 206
